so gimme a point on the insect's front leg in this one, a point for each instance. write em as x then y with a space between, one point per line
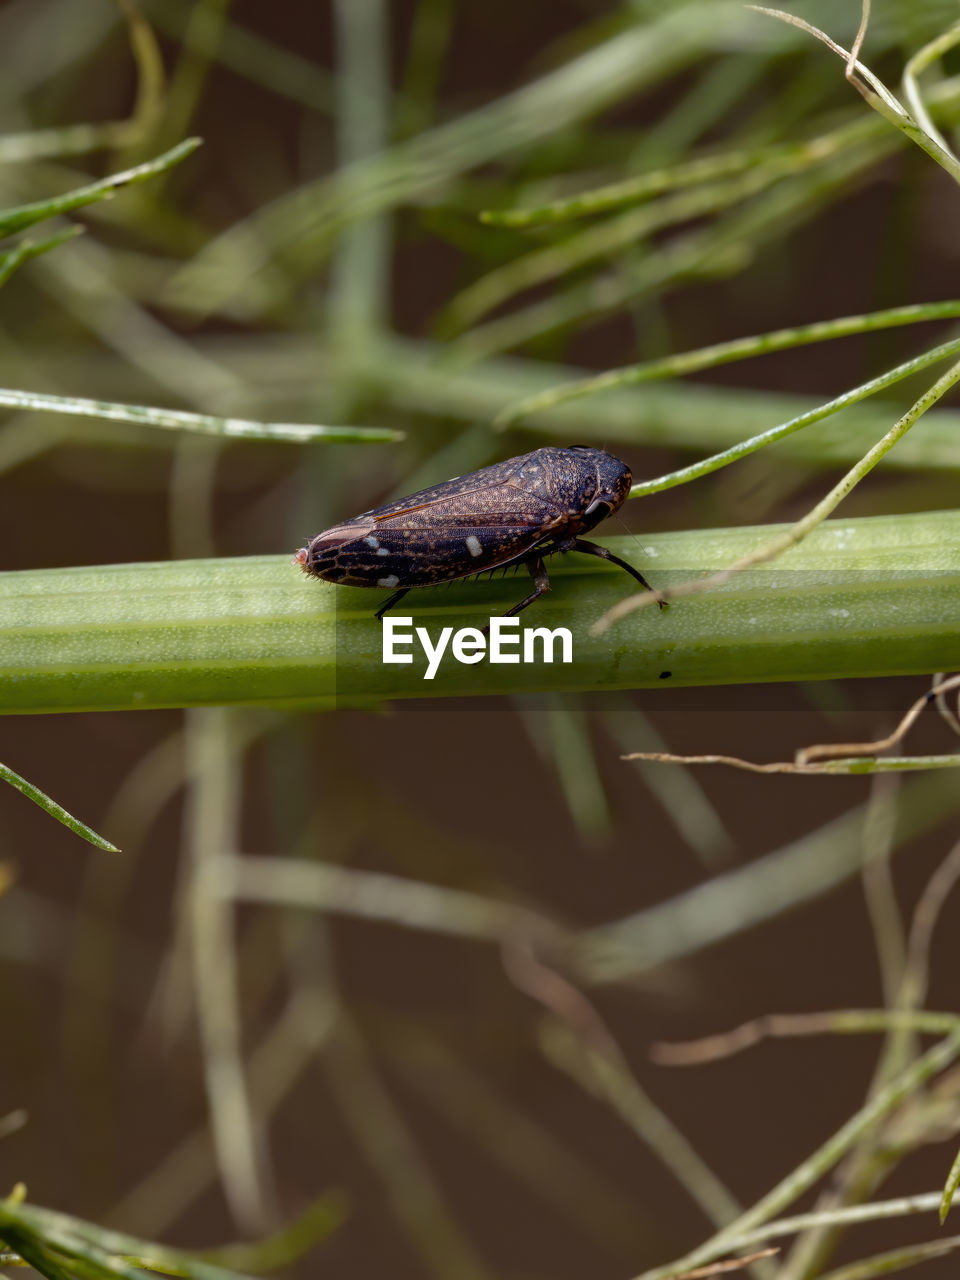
394 599
594 549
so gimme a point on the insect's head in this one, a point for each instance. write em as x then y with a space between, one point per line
610 479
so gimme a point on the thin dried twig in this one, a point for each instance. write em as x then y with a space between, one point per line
948 714
858 39
833 750
835 757
724 1268
832 1022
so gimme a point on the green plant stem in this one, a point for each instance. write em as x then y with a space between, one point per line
302 225
86 1249
25 215
721 353
719 249
866 597
922 59
785 429
878 96
950 1188
602 240
27 249
607 1076
411 377
55 810
885 1264
283 71
729 904
643 186
824 1158
199 423
796 533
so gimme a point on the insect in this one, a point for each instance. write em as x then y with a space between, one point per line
515 512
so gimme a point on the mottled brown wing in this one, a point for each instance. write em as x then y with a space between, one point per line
488 505
486 481
457 534
462 527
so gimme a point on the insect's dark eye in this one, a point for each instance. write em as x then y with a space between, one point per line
596 504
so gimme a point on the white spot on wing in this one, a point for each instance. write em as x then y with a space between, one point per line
372 542
473 545
382 551
391 581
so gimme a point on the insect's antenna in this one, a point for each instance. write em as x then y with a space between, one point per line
624 526
630 532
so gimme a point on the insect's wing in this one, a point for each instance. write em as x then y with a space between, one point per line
453 530
511 472
458 535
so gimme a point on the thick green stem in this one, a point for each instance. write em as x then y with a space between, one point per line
866 597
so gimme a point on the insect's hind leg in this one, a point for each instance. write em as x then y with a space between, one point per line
594 549
394 599
541 579
538 571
